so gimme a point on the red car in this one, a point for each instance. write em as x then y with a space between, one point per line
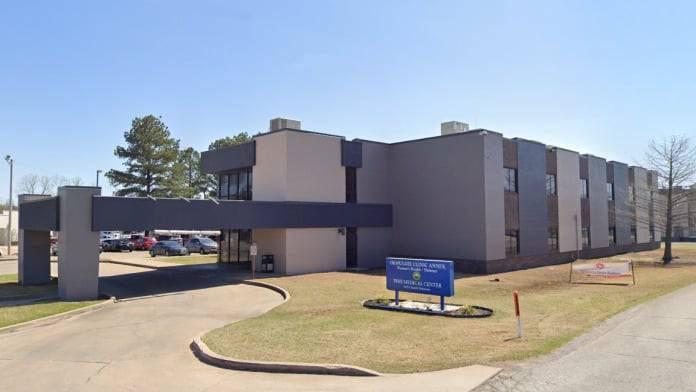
144 243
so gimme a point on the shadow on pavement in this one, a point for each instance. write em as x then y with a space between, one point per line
168 280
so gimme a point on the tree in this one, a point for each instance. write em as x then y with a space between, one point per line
34 184
29 184
46 185
239 138
674 161
188 180
149 156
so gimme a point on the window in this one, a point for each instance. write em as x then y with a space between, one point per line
610 191
351 185
234 177
584 191
243 193
512 244
631 194
250 182
612 236
223 188
634 235
510 179
553 240
235 185
550 184
586 238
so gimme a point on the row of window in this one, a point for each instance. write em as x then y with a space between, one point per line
235 185
511 181
512 243
511 186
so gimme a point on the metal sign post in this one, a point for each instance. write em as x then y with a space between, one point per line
516 298
253 251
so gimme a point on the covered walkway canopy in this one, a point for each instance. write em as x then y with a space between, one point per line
80 213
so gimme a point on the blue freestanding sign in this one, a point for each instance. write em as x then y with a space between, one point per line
421 276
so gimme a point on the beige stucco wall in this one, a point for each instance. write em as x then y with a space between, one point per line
374 243
314 250
314 170
271 241
298 166
642 192
269 175
373 176
568 191
494 197
435 186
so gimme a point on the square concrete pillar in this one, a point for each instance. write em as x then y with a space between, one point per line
34 265
78 247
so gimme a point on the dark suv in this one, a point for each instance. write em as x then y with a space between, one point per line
168 248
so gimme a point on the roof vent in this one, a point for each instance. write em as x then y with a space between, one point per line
282 123
450 127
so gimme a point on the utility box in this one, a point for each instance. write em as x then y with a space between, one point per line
267 263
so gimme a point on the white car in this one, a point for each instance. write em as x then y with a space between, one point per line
109 235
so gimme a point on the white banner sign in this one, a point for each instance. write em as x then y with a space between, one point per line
604 269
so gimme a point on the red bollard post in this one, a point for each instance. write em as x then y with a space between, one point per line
516 298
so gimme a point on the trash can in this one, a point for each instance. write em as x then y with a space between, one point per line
267 263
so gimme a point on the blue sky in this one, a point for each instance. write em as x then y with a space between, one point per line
597 77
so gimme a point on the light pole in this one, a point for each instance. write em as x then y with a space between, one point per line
98 172
10 161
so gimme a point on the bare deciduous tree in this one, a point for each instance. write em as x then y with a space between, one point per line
29 184
45 185
674 161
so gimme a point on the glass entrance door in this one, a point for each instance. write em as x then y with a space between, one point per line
234 246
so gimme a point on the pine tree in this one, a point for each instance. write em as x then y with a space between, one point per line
150 157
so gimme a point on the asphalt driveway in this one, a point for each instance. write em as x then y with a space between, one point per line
649 348
141 343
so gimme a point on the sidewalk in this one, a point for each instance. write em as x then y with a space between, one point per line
648 348
13 253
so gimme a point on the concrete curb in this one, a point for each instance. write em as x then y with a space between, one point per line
206 355
56 317
283 293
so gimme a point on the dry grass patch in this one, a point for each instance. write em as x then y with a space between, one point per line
324 321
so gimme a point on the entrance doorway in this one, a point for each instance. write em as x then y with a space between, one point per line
351 247
234 246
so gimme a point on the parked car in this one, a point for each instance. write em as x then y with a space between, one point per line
116 246
202 245
168 248
143 243
110 235
54 247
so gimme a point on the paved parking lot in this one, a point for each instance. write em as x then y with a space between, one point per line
141 342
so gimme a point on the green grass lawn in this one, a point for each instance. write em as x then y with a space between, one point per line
10 315
10 288
324 322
